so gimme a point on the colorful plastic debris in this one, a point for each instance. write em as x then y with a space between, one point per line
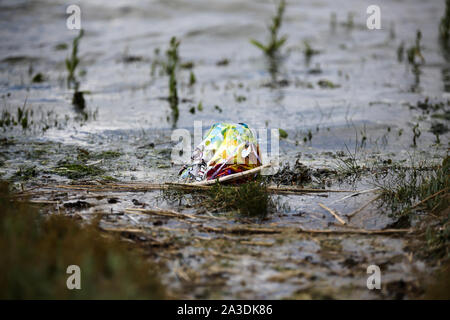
226 149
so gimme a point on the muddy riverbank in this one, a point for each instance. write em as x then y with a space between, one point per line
355 111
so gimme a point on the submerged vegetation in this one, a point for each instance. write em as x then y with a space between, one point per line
172 64
73 61
272 48
437 112
25 173
348 164
416 134
74 170
299 174
421 192
37 250
71 65
33 122
275 42
80 167
171 67
283 133
404 187
23 119
327 84
309 51
444 26
416 60
414 53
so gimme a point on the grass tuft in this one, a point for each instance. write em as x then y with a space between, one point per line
275 42
403 187
250 199
73 61
171 67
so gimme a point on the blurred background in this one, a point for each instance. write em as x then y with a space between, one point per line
364 80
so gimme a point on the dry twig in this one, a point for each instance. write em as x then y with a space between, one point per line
363 207
338 218
429 198
358 231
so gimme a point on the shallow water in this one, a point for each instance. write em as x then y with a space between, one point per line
126 112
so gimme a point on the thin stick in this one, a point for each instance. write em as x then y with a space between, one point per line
356 194
187 186
160 212
132 219
131 230
363 207
428 198
94 163
359 231
257 243
303 190
261 230
338 218
238 230
121 187
288 190
43 201
214 217
231 177
182 275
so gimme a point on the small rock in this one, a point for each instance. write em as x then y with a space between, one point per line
77 205
113 200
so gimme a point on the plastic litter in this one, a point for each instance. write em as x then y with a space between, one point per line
226 149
